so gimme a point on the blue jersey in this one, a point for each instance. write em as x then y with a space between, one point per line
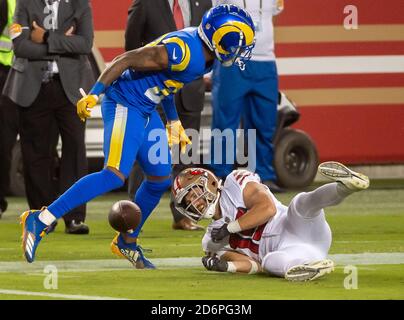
144 90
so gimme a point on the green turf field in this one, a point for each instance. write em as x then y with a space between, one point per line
368 222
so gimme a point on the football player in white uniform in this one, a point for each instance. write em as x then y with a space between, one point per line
253 232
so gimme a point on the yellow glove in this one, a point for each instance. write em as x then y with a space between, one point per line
176 135
84 104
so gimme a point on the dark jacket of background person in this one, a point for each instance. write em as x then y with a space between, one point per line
148 20
8 111
47 100
69 52
3 14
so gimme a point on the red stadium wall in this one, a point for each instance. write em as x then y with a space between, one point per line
348 84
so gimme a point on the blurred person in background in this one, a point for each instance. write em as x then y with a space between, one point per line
249 95
148 20
8 111
51 65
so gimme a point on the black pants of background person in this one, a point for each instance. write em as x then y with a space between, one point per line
51 110
190 119
8 137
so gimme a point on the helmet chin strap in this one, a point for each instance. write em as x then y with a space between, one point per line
211 210
238 61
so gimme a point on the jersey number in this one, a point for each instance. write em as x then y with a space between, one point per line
156 94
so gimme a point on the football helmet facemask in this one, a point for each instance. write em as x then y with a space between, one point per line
204 190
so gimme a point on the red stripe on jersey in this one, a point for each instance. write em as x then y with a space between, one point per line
241 174
247 239
240 212
241 181
235 241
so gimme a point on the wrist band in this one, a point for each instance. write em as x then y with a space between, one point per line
234 227
98 88
231 267
254 267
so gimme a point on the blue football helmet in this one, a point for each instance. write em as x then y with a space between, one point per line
229 32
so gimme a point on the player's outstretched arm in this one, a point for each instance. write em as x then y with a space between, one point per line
231 262
153 58
143 59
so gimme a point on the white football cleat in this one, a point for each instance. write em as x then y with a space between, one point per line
310 271
336 171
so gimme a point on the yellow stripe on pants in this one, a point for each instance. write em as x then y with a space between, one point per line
117 137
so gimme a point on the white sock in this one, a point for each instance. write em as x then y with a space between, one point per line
46 217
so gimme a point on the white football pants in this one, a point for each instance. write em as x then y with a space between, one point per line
306 236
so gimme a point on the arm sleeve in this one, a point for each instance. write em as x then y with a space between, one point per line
168 105
135 26
80 42
3 15
22 45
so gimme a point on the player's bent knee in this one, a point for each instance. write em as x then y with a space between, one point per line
118 173
113 178
157 185
161 182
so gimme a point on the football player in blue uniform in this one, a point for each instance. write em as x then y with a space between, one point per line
133 84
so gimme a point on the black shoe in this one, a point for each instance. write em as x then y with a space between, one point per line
273 186
74 227
3 206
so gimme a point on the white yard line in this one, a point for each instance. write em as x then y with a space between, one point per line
163 263
175 263
55 295
368 258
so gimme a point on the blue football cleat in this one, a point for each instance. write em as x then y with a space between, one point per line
32 232
131 251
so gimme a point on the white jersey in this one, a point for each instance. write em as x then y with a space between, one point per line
233 207
261 12
289 238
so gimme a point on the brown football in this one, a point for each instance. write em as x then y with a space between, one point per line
124 216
